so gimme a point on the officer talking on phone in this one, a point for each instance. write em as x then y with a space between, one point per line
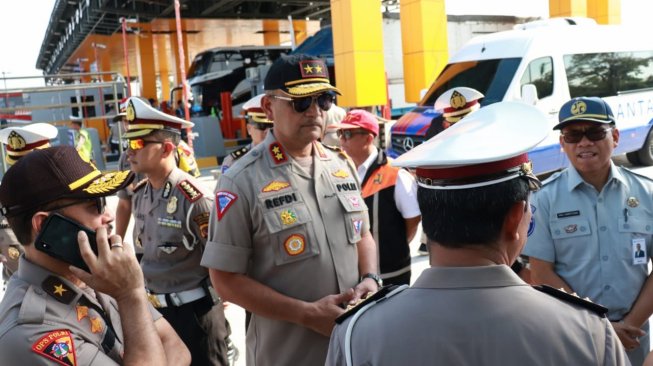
56 313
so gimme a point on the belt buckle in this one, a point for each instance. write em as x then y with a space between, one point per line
175 299
154 300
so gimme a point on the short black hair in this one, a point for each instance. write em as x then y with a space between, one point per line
460 217
166 135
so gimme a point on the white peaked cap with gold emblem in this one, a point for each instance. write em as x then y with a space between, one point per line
20 140
456 103
487 147
254 110
143 119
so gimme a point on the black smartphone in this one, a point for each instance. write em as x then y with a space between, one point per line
58 239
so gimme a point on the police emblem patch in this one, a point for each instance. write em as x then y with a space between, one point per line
224 200
578 107
295 244
358 225
274 186
457 100
57 346
288 217
172 205
340 173
202 221
571 228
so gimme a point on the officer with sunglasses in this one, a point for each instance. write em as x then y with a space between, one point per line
289 236
257 126
171 210
589 221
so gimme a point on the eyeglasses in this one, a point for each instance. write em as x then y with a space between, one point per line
100 204
592 134
347 134
300 105
261 126
137 144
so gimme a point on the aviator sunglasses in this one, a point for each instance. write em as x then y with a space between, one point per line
137 144
300 105
592 134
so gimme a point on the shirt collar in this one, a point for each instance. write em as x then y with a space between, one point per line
574 179
468 277
362 169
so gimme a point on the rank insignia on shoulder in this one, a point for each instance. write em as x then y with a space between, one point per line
274 186
277 153
139 185
57 346
239 153
320 151
224 200
573 298
189 190
383 293
56 288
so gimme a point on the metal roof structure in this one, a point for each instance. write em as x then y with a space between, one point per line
73 20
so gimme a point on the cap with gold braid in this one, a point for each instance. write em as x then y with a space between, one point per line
299 76
143 119
458 102
487 147
254 112
46 175
20 140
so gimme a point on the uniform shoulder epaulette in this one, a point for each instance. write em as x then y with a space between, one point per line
191 192
636 173
56 288
585 303
333 148
245 160
140 184
383 293
239 153
552 178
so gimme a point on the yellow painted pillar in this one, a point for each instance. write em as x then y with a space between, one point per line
568 8
271 36
301 30
164 68
424 44
358 51
145 62
604 11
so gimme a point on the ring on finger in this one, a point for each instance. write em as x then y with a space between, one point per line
116 245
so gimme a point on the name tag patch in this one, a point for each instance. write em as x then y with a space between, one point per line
567 214
280 200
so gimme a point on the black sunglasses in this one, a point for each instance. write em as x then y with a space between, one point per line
100 204
300 105
592 134
261 126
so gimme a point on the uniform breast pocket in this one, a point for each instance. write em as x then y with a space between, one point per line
635 228
572 239
291 234
170 242
355 211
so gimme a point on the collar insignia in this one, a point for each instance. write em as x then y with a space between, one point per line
278 155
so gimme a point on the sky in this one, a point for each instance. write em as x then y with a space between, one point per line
23 24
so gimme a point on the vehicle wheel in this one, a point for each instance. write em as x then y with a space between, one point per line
633 158
645 154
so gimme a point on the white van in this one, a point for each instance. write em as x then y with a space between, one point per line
546 63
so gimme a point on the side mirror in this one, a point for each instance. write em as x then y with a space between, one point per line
529 94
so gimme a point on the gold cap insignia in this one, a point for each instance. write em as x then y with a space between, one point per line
457 100
579 107
13 252
130 112
16 141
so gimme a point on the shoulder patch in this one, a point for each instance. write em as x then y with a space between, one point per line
224 200
383 293
56 288
239 153
57 346
190 191
600 310
140 185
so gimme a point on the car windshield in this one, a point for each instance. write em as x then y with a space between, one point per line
490 77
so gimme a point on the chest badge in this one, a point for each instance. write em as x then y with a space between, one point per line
355 201
571 228
295 244
14 253
172 205
274 186
168 249
632 202
288 217
358 225
340 173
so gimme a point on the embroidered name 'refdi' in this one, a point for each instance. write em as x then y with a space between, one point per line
568 214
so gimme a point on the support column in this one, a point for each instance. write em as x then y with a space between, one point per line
604 11
301 30
175 50
145 62
424 44
358 51
271 36
568 8
164 68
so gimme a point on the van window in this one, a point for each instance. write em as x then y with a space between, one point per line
608 74
490 77
539 72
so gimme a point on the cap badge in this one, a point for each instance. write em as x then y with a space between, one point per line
295 244
312 68
130 113
288 217
13 253
16 141
527 168
632 202
457 100
172 205
274 186
579 107
107 182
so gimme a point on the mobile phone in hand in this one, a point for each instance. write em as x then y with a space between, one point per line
58 239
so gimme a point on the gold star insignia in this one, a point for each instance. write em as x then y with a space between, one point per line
318 69
96 325
279 156
308 69
82 312
59 290
275 149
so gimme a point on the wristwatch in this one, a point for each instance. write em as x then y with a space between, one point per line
375 277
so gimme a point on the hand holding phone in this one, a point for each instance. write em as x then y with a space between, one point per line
58 239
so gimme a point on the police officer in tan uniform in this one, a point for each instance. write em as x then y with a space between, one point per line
56 314
19 140
470 308
171 212
289 236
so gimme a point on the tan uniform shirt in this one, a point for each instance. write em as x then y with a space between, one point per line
10 248
476 316
172 226
46 320
292 231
